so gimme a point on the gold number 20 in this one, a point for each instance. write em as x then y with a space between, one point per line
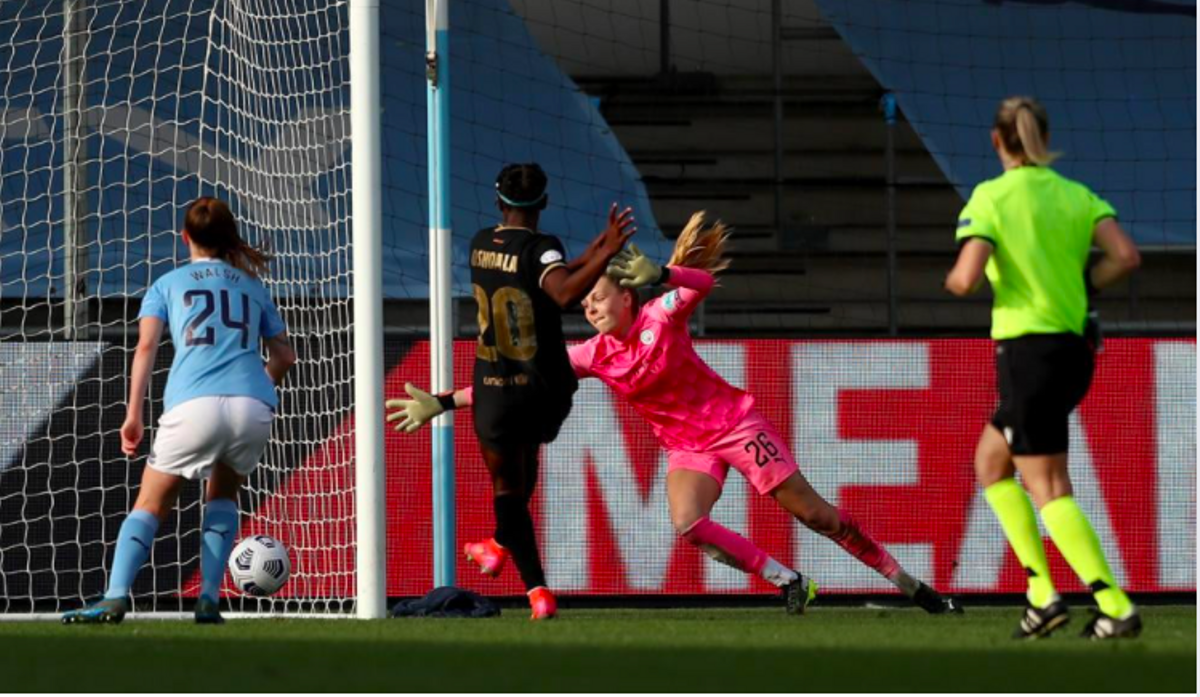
512 311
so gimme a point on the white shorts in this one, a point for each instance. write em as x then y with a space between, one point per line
196 435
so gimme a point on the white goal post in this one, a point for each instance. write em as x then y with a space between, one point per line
114 116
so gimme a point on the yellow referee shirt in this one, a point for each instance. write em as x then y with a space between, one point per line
1040 226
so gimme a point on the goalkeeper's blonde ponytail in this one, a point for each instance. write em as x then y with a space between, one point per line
701 246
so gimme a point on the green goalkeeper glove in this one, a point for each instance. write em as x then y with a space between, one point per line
416 412
633 269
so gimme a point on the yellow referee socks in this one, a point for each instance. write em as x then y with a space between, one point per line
1075 538
1011 505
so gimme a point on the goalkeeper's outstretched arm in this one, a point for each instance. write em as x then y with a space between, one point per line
422 407
408 415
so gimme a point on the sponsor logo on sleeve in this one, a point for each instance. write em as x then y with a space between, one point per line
550 256
670 300
965 222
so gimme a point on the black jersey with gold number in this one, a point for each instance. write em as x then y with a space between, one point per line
523 378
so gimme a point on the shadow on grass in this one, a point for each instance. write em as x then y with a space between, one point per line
123 662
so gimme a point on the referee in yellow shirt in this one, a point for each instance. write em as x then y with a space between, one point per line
1030 230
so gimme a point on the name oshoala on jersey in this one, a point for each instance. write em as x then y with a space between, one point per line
521 355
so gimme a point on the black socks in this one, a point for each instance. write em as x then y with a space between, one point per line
514 531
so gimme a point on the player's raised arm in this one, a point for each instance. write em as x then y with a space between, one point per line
592 250
567 286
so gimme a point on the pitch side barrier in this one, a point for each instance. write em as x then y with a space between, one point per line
883 428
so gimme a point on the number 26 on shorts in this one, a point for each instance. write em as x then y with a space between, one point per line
763 450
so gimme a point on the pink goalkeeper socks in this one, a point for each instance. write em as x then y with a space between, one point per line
852 539
726 546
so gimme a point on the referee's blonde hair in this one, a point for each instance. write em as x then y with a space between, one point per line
1024 130
701 246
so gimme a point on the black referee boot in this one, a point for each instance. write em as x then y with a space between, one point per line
1104 626
1038 623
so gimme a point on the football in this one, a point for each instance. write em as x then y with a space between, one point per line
260 565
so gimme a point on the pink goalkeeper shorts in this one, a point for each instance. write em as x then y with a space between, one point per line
753 447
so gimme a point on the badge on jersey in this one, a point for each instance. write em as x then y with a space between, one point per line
647 337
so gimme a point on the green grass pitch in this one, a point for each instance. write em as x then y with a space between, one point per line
694 650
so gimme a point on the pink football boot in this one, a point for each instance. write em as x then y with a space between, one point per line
545 607
489 555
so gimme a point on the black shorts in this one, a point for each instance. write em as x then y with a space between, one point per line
1042 378
500 423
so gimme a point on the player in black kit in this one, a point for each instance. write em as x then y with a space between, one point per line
523 382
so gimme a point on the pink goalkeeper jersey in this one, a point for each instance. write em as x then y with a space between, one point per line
656 368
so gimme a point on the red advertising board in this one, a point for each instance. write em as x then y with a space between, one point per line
884 429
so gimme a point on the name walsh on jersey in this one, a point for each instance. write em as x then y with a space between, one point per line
217 272
498 261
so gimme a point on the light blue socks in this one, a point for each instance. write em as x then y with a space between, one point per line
219 529
133 549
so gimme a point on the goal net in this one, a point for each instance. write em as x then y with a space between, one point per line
114 116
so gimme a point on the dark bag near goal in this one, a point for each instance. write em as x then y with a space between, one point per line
447 601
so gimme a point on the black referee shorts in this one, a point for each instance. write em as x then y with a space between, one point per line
1042 378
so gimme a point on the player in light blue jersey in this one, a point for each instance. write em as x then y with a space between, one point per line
218 406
